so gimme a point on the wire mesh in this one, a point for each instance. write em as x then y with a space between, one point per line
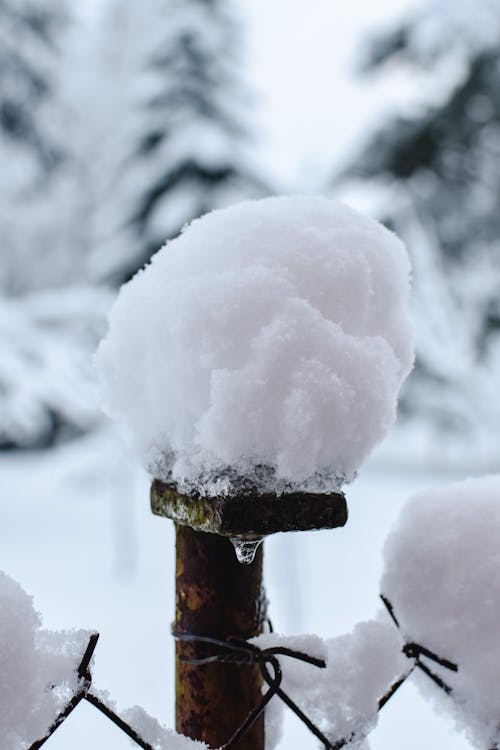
242 652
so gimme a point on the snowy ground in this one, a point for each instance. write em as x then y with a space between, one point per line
78 534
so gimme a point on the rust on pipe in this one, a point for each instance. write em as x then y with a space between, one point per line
216 596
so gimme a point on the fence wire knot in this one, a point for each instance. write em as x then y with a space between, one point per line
236 651
83 693
416 651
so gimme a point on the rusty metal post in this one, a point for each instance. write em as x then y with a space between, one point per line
216 596
219 597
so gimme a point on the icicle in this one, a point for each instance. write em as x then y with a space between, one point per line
245 549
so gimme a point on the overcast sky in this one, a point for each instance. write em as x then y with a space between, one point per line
301 57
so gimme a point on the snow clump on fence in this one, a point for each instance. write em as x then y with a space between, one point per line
442 576
38 668
158 736
267 342
343 699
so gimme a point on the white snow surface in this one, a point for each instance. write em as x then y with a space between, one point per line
267 342
342 699
37 668
442 575
161 738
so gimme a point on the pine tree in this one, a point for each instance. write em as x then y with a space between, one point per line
184 144
438 170
129 131
28 56
448 154
32 147
50 322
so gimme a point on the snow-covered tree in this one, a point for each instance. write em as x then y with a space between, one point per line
114 135
438 170
448 151
49 320
32 149
174 120
47 382
29 32
455 380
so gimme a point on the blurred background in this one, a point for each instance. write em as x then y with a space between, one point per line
119 122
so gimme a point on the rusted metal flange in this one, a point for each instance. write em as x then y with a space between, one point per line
249 515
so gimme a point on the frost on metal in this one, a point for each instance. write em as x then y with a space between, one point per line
265 345
442 576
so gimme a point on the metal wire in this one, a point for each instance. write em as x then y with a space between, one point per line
416 651
110 714
83 693
85 680
242 652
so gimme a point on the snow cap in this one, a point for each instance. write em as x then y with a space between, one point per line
267 342
442 576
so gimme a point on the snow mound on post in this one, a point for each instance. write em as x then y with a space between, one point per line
267 342
37 668
442 576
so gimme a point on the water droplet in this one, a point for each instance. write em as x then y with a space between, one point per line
245 549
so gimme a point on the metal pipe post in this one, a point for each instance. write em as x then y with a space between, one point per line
216 596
